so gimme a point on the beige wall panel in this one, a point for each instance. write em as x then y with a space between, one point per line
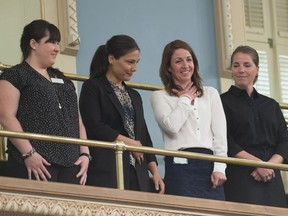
225 84
14 14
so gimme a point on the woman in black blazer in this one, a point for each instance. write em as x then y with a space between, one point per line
112 111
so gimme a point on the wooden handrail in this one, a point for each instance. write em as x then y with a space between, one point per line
28 197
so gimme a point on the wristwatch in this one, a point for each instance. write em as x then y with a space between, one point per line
87 155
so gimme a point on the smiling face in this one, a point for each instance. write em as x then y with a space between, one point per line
122 69
182 67
45 51
244 71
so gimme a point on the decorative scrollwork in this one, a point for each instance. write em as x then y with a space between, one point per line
53 206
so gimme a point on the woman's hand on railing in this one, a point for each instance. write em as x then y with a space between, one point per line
35 165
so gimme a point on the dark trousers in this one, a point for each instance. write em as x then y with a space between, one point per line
58 173
192 179
133 181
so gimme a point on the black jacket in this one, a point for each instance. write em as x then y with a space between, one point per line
103 117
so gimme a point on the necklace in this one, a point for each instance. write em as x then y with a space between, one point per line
59 104
56 95
54 88
57 98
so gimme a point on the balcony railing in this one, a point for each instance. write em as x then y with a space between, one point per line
119 147
25 197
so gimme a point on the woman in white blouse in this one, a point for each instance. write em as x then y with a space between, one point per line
191 118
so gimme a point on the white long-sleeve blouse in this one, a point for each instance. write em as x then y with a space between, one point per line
185 125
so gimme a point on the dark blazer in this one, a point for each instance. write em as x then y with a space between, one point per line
103 117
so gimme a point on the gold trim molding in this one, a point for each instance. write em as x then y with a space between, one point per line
2 146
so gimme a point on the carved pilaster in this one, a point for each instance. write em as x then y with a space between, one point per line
67 21
228 35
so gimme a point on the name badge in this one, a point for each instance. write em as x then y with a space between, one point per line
178 160
57 80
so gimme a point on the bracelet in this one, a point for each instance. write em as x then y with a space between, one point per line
87 155
28 154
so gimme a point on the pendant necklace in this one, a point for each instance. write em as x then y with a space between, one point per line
54 89
59 104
